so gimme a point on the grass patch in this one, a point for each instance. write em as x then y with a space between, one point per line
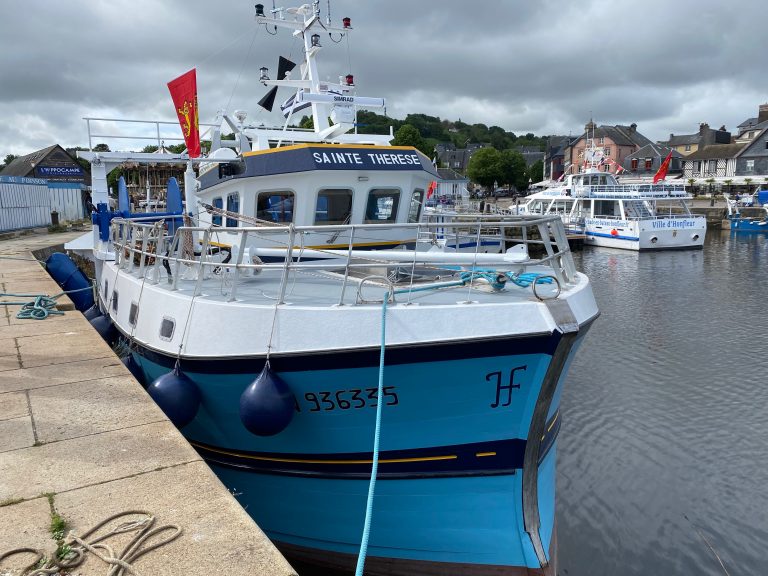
58 527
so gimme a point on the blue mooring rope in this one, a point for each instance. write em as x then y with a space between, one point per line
376 437
41 307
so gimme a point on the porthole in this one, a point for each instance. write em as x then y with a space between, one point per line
167 326
114 300
133 313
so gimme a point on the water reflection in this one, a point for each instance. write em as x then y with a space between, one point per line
664 414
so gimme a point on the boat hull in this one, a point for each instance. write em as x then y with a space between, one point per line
749 225
455 425
652 234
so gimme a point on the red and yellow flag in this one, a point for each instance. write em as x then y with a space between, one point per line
431 189
184 94
662 173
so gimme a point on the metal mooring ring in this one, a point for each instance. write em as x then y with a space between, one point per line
536 281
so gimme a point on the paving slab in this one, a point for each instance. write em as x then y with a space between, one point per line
24 525
15 433
102 405
91 460
51 325
191 497
67 372
79 343
74 424
13 405
9 362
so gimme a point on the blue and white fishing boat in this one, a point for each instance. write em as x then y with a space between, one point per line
395 408
739 223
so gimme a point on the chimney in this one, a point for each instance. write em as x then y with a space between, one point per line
633 127
762 113
703 127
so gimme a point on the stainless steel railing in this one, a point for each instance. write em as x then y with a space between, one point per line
146 250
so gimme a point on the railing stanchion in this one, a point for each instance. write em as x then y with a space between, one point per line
238 263
288 263
346 267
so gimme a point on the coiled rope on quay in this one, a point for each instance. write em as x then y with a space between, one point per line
76 548
40 307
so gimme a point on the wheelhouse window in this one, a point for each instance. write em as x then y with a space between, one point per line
233 205
334 206
382 206
217 203
606 208
414 211
275 206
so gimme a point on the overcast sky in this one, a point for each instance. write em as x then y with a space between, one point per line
541 66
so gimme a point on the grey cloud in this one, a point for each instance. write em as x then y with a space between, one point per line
539 67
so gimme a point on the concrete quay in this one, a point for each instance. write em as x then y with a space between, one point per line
81 440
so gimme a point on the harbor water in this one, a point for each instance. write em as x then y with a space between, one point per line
663 452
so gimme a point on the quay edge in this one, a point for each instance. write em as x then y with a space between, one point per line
79 436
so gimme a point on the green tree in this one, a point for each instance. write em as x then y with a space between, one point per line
513 169
8 159
101 148
408 135
485 167
534 172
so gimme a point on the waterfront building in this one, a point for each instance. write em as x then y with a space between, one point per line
617 142
457 158
751 127
713 161
44 187
554 156
646 161
687 144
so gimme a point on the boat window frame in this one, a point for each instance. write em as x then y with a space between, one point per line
229 221
395 206
164 322
282 192
217 219
133 314
600 202
114 300
419 206
334 189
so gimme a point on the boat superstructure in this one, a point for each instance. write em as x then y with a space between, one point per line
621 215
310 331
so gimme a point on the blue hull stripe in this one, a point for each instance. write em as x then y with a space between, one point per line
366 357
617 237
474 459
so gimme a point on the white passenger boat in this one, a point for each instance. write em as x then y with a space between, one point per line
307 350
617 215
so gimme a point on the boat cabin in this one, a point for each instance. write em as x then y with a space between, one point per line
318 185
